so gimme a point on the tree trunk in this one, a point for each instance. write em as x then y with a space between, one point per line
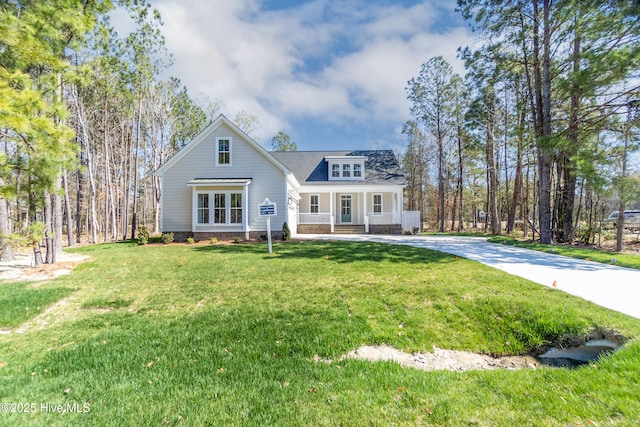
134 216
126 190
422 183
460 187
492 202
544 143
79 198
67 209
56 221
566 232
37 255
526 198
48 228
107 173
92 193
516 199
540 92
441 214
32 216
621 203
157 199
507 202
6 249
620 226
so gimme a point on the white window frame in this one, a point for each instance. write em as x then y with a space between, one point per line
315 205
234 209
344 168
205 210
357 170
228 208
218 152
223 209
375 205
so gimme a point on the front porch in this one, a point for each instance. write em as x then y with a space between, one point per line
350 213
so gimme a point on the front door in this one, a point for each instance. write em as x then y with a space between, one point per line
345 208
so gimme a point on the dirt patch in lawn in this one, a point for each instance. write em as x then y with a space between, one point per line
571 352
22 269
441 359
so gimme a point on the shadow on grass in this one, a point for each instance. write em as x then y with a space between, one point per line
337 251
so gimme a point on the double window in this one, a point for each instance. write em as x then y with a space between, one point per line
223 151
227 208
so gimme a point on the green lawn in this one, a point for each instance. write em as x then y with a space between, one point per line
228 335
596 255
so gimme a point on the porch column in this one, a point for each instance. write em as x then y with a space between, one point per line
194 209
332 219
245 212
400 205
365 218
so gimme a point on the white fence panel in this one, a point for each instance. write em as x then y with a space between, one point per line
411 220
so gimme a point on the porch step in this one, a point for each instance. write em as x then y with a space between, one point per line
348 229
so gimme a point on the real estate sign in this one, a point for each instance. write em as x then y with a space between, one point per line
268 209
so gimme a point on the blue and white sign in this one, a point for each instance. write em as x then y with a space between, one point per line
268 208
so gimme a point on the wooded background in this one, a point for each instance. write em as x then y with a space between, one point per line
539 134
539 131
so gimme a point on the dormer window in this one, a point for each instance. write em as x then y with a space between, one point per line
346 168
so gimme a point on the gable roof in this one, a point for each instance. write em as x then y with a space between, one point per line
219 121
311 167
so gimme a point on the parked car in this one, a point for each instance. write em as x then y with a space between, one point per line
631 220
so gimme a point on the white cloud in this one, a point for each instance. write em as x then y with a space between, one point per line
332 61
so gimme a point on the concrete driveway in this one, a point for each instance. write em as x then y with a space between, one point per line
613 287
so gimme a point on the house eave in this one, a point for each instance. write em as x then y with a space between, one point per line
221 119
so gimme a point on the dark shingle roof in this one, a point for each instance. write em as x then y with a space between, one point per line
310 167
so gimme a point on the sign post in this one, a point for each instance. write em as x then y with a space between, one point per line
268 209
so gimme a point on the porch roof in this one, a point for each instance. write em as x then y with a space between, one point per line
218 181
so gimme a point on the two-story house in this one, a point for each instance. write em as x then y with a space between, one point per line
214 185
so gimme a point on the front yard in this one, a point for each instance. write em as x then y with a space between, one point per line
230 335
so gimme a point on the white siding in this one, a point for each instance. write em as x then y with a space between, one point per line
357 203
323 202
387 201
268 181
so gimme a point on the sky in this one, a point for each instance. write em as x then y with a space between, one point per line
329 73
